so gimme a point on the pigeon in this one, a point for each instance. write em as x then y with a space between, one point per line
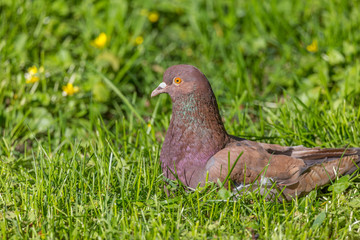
197 149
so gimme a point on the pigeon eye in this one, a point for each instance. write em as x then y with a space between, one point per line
177 80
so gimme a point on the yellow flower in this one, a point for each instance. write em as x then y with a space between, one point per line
139 40
32 70
149 125
153 17
313 47
31 76
32 79
69 90
100 41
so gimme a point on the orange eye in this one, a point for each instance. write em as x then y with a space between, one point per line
177 80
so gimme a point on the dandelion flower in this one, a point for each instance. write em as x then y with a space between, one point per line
69 90
139 40
100 41
153 17
31 76
313 47
32 70
149 128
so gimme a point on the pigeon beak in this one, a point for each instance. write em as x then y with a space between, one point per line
159 89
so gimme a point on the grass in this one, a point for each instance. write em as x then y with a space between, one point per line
87 165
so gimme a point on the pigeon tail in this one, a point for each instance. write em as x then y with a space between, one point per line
321 174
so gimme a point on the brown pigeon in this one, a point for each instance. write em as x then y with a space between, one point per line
198 149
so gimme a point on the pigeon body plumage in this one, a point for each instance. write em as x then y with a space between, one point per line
197 147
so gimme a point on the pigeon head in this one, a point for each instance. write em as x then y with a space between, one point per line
180 80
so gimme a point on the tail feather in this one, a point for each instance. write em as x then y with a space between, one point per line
325 153
323 173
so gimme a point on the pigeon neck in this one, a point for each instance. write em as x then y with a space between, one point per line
196 131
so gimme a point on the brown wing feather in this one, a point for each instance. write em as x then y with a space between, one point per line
298 169
319 175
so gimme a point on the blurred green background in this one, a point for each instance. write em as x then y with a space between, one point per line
249 50
75 83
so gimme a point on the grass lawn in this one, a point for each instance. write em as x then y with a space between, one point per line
80 136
